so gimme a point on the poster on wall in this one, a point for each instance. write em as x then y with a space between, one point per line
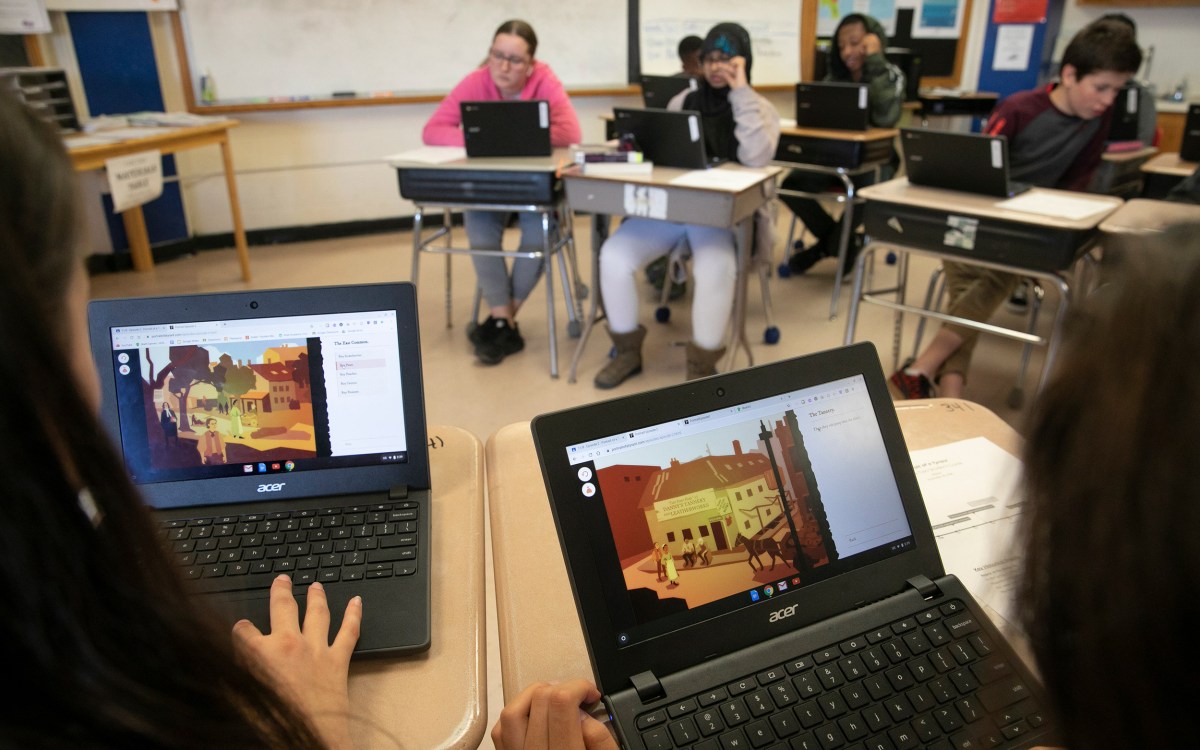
1019 11
830 12
24 17
937 19
1014 44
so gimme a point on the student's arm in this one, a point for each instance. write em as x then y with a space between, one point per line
756 128
885 90
445 125
564 123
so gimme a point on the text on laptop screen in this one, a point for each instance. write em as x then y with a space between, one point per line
703 494
259 396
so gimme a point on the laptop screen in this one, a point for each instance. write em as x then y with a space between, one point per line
702 494
307 392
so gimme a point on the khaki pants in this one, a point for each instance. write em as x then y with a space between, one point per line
975 293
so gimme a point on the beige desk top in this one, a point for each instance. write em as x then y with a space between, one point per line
1137 155
439 698
1145 216
1170 164
540 635
901 191
870 134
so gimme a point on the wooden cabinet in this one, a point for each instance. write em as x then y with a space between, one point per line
46 91
1171 125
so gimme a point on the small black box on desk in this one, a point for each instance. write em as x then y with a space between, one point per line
833 152
442 185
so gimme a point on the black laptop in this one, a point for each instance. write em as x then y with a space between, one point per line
754 566
658 90
837 106
668 138
1189 147
1125 108
506 128
280 431
968 162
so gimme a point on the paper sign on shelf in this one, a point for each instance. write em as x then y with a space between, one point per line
134 179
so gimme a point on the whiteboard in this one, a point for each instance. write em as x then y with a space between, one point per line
774 27
256 49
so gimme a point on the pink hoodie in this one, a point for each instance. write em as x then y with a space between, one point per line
445 126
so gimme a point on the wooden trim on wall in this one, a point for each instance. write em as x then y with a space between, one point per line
33 51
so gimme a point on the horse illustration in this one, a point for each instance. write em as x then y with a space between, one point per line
756 547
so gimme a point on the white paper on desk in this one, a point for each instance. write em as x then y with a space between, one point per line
429 155
134 179
644 200
973 496
1058 206
126 134
83 141
727 179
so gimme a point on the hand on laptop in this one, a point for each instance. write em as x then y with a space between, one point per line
302 664
546 716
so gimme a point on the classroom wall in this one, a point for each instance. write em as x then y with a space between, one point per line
1174 32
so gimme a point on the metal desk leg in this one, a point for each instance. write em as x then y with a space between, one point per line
737 319
1060 318
898 322
599 235
856 293
548 273
847 230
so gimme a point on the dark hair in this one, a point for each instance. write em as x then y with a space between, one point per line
689 45
1103 45
1120 18
521 29
98 625
1112 566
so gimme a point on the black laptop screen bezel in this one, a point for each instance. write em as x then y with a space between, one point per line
107 314
509 127
964 160
663 135
661 655
826 90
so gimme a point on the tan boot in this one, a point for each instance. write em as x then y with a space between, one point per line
626 362
702 362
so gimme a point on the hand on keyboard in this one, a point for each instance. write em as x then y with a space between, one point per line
301 663
549 717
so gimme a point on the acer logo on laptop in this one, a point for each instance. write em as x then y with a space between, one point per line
271 487
779 614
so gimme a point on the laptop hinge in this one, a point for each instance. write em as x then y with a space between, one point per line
647 686
925 587
400 492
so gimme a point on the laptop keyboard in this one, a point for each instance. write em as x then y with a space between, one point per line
243 552
929 681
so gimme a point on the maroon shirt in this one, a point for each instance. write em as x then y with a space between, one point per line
1047 148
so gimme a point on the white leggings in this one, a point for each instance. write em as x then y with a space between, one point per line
714 272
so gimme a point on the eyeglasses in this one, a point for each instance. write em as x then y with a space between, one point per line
716 59
500 58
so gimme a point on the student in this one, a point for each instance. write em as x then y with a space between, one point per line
109 647
738 124
510 71
1055 139
1146 111
859 40
689 57
1111 568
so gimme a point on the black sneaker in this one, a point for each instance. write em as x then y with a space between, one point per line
479 332
497 341
806 259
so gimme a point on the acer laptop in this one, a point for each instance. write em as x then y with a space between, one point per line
753 564
836 106
280 431
506 128
1124 124
968 162
667 138
658 90
1189 147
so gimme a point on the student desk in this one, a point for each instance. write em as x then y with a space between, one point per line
976 230
659 196
508 184
540 635
958 108
844 154
438 698
169 141
1120 172
1164 172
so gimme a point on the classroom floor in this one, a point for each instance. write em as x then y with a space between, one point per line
480 399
